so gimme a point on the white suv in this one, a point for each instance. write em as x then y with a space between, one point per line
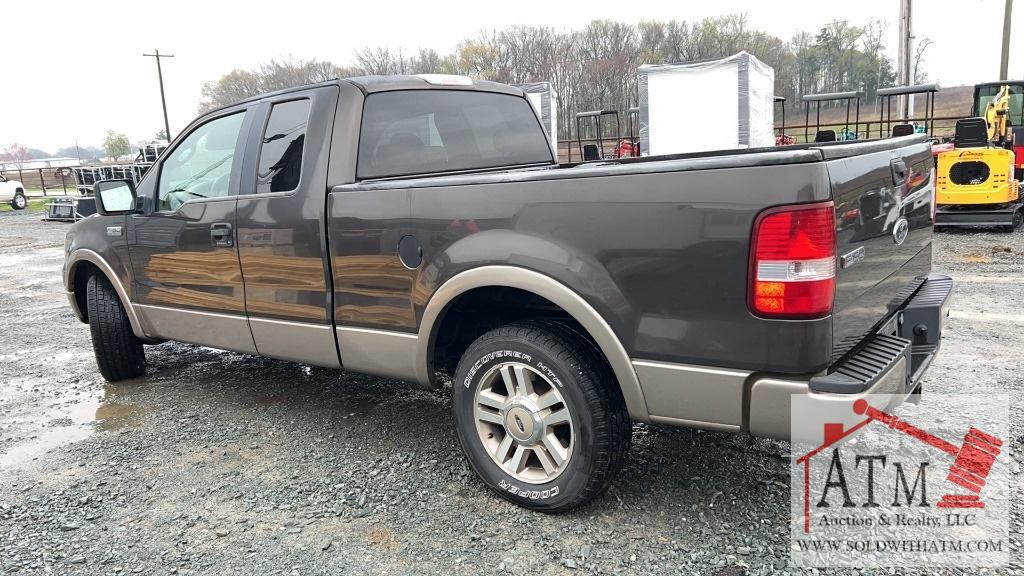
13 192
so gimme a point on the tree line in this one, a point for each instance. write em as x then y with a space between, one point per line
595 67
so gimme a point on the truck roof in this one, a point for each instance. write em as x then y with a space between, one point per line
373 84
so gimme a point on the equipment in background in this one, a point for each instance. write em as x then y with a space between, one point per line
630 147
544 99
783 139
72 209
983 96
829 134
975 183
86 176
904 126
69 209
710 105
592 152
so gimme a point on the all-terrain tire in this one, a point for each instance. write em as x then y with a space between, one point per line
119 352
601 426
19 202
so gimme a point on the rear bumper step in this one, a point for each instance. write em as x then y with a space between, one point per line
891 362
862 370
1001 215
915 338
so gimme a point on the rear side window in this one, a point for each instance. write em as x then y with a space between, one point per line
281 150
424 131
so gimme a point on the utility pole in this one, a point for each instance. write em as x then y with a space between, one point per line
1004 62
160 75
905 55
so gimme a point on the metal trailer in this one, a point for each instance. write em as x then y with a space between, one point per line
901 128
592 152
831 135
71 209
87 176
783 139
633 123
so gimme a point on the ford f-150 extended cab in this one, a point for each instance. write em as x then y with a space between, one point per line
419 228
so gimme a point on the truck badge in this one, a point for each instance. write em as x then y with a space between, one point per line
851 258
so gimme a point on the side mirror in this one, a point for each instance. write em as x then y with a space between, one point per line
114 197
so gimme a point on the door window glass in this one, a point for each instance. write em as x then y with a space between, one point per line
281 150
200 167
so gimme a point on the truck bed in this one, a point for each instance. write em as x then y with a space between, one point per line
658 245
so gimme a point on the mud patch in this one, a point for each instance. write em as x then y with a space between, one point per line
975 258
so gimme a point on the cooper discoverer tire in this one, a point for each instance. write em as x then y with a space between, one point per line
119 352
540 416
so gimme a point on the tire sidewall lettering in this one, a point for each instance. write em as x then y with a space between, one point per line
498 478
490 357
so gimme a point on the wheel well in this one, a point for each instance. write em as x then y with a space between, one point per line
82 273
480 310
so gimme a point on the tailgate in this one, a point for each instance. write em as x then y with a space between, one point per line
883 193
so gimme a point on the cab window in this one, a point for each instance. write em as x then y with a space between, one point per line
280 164
426 131
200 167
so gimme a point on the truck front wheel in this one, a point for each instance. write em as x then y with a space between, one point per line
539 415
119 353
19 202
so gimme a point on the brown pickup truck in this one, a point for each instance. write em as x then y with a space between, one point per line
420 228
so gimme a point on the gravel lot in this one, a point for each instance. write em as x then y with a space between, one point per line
218 463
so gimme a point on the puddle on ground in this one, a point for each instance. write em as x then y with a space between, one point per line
37 425
114 416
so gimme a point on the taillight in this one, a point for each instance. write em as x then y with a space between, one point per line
793 261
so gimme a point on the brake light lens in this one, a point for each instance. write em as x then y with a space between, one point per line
793 262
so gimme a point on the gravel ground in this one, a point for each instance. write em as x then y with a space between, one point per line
218 463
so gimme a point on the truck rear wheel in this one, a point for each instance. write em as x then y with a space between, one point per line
119 352
540 416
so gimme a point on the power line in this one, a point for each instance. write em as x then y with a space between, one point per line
163 101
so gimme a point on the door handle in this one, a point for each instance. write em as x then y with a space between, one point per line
221 236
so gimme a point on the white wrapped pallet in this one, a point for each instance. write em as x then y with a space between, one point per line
709 105
542 95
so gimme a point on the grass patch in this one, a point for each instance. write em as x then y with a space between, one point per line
35 206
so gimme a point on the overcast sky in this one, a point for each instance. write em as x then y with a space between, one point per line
73 70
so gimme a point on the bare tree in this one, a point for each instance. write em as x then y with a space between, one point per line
920 76
17 155
596 66
274 75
